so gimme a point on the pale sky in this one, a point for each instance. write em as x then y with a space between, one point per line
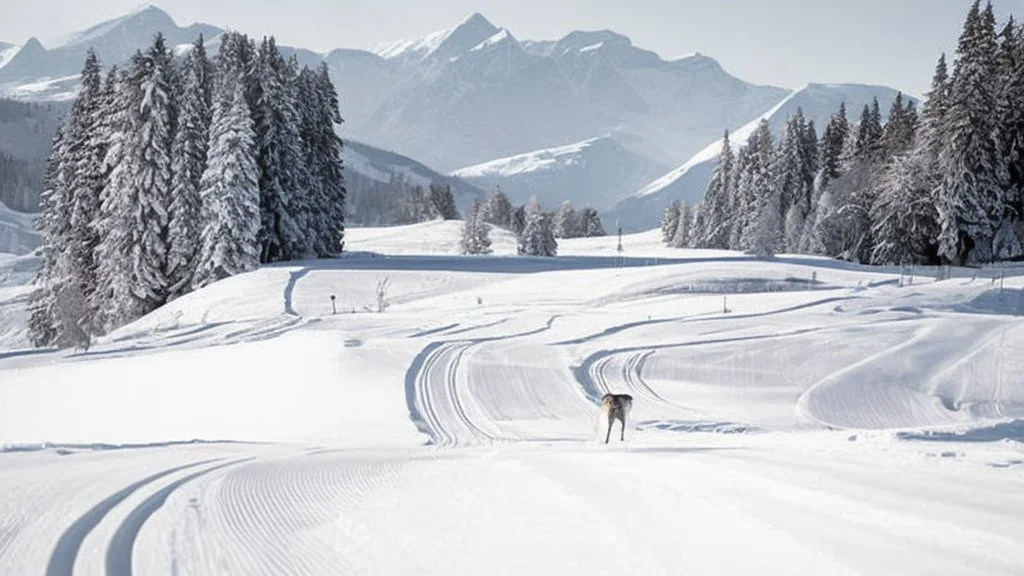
780 42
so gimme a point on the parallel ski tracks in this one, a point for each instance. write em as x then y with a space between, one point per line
62 559
265 514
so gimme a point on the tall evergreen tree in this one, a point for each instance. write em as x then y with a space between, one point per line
476 237
869 133
763 220
590 223
970 200
711 227
188 153
832 146
898 132
53 224
278 154
566 222
329 167
684 227
791 168
1010 119
230 195
133 251
517 220
903 215
444 201
538 237
498 209
84 147
669 222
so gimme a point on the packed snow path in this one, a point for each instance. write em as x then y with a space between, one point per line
831 422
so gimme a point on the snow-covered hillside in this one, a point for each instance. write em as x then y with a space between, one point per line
835 419
689 181
7 51
17 232
597 172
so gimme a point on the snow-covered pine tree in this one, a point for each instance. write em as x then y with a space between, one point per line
517 220
444 201
188 154
329 169
133 249
230 195
902 215
898 132
925 176
970 200
53 224
869 133
789 171
1010 113
590 223
538 237
82 162
684 227
566 222
832 146
807 195
498 209
669 222
763 219
711 225
278 155
476 237
740 204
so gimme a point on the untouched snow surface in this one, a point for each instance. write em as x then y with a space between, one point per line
833 421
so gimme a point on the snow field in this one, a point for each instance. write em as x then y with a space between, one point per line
831 422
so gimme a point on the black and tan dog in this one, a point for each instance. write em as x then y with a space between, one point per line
616 407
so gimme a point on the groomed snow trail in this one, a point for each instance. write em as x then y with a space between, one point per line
857 427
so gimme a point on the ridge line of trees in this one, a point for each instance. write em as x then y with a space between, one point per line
943 185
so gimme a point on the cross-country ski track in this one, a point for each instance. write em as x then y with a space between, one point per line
791 416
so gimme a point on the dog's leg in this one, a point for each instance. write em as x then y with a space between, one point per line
622 434
611 422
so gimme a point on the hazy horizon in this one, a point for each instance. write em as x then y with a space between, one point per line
785 43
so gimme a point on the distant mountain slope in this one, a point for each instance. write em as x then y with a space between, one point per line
7 51
365 161
114 41
378 184
689 181
597 172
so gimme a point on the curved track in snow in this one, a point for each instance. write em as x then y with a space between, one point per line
62 560
439 397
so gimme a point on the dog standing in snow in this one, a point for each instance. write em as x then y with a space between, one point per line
616 407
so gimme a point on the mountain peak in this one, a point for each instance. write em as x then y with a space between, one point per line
33 43
477 19
443 44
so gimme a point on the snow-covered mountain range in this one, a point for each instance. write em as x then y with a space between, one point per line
596 172
460 98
